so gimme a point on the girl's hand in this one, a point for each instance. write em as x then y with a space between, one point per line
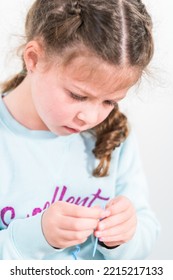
120 226
65 224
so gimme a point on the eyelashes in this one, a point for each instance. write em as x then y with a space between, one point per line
84 98
78 97
111 103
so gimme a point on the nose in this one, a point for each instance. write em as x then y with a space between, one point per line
89 116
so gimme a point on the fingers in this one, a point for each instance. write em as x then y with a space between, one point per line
68 238
75 235
72 210
66 224
116 219
119 239
118 205
113 220
118 230
120 226
79 224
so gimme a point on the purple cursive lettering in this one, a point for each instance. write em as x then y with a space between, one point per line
60 194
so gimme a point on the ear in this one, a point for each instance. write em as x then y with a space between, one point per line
32 55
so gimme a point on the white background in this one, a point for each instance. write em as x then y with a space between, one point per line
149 107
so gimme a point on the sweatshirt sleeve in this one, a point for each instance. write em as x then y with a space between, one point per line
23 239
132 183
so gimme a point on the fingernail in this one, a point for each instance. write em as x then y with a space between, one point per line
106 213
101 239
98 234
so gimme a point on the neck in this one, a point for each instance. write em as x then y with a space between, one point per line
20 105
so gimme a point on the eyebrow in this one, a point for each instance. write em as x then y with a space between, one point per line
84 91
90 95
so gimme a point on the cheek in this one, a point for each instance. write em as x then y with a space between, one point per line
104 114
58 111
47 102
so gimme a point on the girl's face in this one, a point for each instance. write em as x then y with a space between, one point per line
79 96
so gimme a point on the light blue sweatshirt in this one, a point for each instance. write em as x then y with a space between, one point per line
38 168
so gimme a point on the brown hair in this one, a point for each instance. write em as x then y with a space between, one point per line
117 31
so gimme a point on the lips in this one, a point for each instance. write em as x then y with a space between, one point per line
72 130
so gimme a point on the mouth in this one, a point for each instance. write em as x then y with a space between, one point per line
72 130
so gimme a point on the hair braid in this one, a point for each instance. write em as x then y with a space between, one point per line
109 134
14 81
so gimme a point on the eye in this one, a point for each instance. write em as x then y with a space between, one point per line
77 97
110 103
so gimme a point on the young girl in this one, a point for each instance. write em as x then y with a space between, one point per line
70 172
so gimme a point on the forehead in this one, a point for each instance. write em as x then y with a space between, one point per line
92 73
